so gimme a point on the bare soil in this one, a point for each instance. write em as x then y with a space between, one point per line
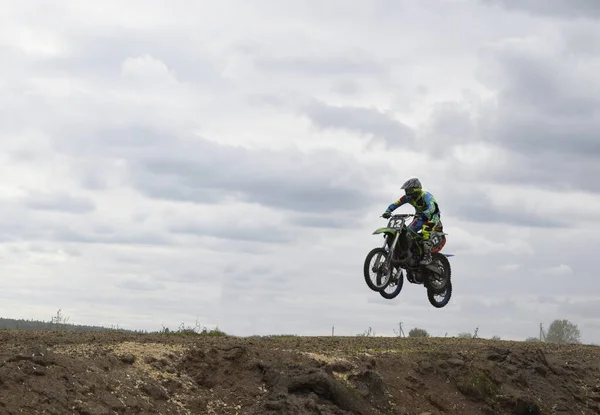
114 373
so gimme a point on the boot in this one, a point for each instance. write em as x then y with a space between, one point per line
427 259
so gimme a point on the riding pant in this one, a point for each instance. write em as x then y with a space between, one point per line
425 226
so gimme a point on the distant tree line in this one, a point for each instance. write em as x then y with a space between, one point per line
560 331
21 324
57 322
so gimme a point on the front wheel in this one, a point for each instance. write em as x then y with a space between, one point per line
396 283
440 299
380 268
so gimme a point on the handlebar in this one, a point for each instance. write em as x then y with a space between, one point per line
400 216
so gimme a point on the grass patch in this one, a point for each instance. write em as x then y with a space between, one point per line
477 385
282 336
438 354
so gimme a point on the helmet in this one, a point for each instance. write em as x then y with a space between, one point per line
411 186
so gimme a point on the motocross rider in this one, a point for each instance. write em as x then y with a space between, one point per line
427 215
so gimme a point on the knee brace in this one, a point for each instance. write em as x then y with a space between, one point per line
426 230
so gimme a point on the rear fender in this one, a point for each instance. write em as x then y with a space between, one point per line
439 245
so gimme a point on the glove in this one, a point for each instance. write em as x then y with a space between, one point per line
386 214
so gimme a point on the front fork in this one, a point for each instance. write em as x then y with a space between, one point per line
390 250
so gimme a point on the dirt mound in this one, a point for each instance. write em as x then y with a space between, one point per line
112 373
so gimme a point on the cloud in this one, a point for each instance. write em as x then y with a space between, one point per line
326 220
360 64
246 228
210 173
370 122
546 299
491 308
164 178
140 284
479 207
466 243
510 267
550 101
450 124
556 8
559 270
543 113
585 308
60 201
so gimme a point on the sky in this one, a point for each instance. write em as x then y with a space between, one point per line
168 162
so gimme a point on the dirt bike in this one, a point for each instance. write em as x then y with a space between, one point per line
403 250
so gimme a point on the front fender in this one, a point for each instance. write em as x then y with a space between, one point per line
386 230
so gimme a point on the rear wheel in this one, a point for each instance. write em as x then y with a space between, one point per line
381 277
440 299
438 282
